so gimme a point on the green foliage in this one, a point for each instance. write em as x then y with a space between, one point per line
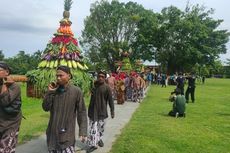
126 65
67 4
36 119
226 70
228 62
109 27
22 62
144 45
1 55
42 77
205 128
217 67
179 39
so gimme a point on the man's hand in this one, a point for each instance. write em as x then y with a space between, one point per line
8 81
52 86
4 88
83 138
112 115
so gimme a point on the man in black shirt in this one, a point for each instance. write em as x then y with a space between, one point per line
191 87
180 83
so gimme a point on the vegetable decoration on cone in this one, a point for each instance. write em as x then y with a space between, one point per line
138 66
126 64
63 49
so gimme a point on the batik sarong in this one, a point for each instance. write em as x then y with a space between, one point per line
96 131
8 142
69 149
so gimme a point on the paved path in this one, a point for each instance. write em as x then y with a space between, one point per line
113 127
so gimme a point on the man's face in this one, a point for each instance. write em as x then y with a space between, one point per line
62 77
3 73
101 78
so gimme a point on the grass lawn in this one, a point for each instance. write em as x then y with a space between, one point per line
36 120
206 128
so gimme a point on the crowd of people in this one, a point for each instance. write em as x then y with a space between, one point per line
65 102
127 86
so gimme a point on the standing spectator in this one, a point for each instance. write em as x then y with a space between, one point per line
97 112
180 83
149 78
203 79
64 101
191 87
158 79
163 80
10 120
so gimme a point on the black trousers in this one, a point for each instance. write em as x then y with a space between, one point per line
190 90
181 89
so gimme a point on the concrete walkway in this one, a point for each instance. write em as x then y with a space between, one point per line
113 127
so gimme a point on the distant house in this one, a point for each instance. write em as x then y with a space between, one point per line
152 66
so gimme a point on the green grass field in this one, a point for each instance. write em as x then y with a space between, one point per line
206 128
36 119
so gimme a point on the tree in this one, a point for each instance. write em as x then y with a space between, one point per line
22 62
227 69
168 43
206 42
146 36
109 27
228 62
180 39
2 56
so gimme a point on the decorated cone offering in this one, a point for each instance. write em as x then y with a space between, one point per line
126 64
139 67
63 49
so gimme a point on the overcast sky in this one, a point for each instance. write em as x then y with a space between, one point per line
29 24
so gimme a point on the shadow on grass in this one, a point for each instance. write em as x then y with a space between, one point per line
168 116
164 114
223 114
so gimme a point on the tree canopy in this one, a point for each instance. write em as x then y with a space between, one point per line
184 38
177 39
109 27
22 62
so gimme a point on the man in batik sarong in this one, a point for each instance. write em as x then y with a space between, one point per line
97 112
9 120
65 102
